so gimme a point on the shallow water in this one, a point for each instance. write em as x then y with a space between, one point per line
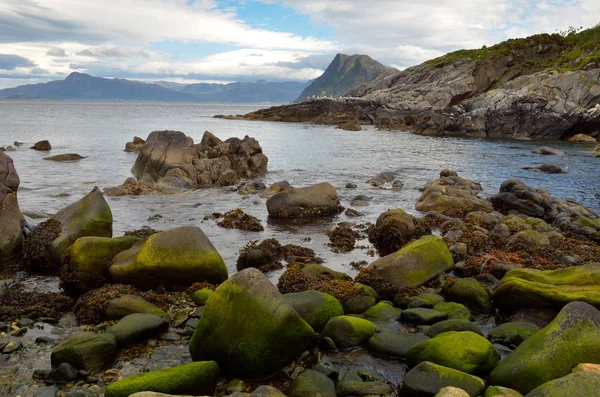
299 153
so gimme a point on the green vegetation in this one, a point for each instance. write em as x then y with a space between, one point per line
564 51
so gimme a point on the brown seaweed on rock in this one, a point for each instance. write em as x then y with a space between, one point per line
237 219
343 238
17 303
142 233
267 255
36 254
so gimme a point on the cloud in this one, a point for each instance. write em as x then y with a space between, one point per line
11 62
56 52
114 52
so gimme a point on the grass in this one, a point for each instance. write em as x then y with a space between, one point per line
566 51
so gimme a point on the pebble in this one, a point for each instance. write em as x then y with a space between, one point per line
191 323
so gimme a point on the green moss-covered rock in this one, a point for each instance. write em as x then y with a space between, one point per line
382 312
577 384
199 378
573 337
528 238
363 382
394 229
128 304
394 343
180 256
454 310
266 391
201 296
86 350
90 216
427 378
311 383
549 289
348 331
414 264
470 293
422 316
499 391
315 307
360 302
249 329
512 334
465 351
315 270
453 325
451 391
137 327
86 262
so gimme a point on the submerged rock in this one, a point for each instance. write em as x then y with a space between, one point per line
573 337
11 219
312 201
548 151
180 256
90 216
65 157
249 329
547 168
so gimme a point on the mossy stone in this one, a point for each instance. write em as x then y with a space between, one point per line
453 325
90 216
577 384
315 307
201 296
249 329
129 304
470 293
315 270
363 382
465 351
309 383
382 312
348 331
267 391
180 256
137 327
528 238
512 334
499 391
198 378
86 262
451 391
571 338
88 351
550 289
415 263
454 310
422 316
427 378
394 343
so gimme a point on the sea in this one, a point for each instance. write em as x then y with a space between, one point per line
302 154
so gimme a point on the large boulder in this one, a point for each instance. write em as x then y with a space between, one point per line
469 292
88 351
414 264
90 216
170 157
249 329
427 378
573 337
452 196
137 327
465 351
577 384
311 201
86 262
11 219
551 289
198 378
394 229
180 256
315 307
348 331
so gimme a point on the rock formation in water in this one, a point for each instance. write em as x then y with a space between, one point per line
524 88
345 72
11 219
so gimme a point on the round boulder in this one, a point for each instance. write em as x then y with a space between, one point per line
312 201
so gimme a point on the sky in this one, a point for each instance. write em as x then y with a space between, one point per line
190 41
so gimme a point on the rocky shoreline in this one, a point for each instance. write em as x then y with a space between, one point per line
477 297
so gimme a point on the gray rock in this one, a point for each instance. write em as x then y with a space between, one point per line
311 383
86 350
137 327
422 316
50 391
394 343
11 219
66 372
312 201
363 382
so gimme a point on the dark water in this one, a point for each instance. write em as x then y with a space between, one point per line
299 153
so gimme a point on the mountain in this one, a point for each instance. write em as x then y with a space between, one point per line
86 87
345 72
541 87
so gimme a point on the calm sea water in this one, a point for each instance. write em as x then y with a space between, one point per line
299 153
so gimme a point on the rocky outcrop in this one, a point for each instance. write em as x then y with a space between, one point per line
11 219
65 157
505 91
42 146
136 145
311 201
170 158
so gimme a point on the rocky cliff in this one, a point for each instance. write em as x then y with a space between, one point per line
544 86
345 72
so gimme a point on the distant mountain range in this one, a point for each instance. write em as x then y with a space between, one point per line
85 87
345 72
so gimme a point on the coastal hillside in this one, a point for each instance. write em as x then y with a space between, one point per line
80 86
345 72
543 86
